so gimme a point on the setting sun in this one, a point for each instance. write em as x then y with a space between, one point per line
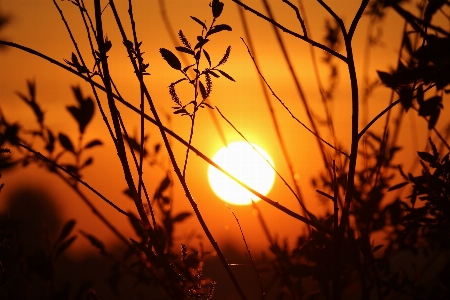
243 162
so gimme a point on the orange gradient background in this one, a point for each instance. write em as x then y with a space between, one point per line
37 24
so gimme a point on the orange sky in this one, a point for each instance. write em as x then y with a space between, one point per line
36 24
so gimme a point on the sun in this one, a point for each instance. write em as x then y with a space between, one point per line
243 162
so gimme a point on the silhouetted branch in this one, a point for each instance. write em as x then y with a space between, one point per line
284 105
299 17
312 42
273 168
249 254
358 16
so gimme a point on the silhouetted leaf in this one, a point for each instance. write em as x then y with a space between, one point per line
51 141
84 112
433 119
217 8
93 143
128 193
76 64
75 59
165 199
66 143
32 101
67 229
181 216
107 44
199 22
128 44
225 75
425 156
388 79
137 226
95 242
184 40
157 147
87 162
162 187
219 28
430 106
135 144
397 186
63 246
407 43
212 73
203 91
406 97
225 56
185 50
181 111
326 195
207 57
171 59
420 94
376 248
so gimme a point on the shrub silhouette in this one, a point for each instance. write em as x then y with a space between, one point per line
336 258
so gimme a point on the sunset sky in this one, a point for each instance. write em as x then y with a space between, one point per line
38 25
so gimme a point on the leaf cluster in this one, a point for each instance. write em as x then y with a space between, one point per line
13 133
425 67
197 53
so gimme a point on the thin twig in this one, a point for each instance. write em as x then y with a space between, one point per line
299 17
412 19
142 106
388 108
170 132
288 110
263 223
298 86
276 125
332 13
249 254
308 40
175 165
127 138
121 152
105 119
273 168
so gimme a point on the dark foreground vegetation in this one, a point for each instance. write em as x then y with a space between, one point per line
334 259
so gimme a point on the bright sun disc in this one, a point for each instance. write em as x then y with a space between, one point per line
243 162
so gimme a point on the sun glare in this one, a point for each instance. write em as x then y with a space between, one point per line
243 162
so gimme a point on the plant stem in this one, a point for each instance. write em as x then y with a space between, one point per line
177 169
168 131
284 29
114 115
286 156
